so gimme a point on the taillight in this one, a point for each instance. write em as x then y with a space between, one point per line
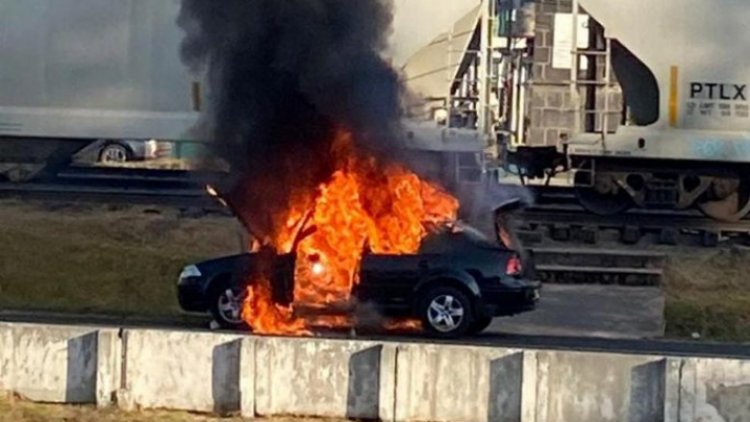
513 267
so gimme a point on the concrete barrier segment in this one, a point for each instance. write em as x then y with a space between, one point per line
713 390
183 370
576 386
247 377
6 357
389 381
458 383
48 363
109 366
326 378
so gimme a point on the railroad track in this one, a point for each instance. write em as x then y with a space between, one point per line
572 246
555 215
573 223
179 198
176 188
599 266
557 212
87 174
582 251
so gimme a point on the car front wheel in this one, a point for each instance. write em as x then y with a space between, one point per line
446 312
226 306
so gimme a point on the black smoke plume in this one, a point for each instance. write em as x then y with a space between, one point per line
282 76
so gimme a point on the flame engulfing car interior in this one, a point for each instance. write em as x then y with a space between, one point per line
455 285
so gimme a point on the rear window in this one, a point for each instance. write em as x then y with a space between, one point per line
455 238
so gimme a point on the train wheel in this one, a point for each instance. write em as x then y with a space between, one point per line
605 197
728 199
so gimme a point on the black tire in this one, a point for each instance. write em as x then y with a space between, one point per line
218 295
480 324
431 317
115 153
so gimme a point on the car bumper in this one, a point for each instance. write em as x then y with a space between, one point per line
506 302
191 295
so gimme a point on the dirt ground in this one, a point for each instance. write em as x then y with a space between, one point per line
13 409
125 261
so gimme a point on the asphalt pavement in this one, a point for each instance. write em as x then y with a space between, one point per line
592 311
497 336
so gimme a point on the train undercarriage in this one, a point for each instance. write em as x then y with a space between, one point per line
23 159
608 187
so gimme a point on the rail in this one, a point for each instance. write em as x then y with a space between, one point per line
599 266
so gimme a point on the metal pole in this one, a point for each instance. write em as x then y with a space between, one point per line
521 104
485 87
574 94
607 76
451 76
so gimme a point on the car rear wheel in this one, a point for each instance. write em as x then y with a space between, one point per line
480 324
226 306
446 312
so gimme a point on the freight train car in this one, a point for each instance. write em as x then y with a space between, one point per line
656 115
78 71
642 103
75 72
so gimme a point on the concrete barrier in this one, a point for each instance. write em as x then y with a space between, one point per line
326 378
458 383
712 390
574 386
201 372
58 364
400 382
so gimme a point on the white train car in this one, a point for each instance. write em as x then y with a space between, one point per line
644 103
92 68
78 71
684 72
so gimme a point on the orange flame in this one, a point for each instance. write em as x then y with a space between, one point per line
365 205
403 325
265 316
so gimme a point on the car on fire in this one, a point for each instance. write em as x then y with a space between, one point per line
456 284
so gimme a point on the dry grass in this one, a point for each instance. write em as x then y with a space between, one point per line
15 410
99 259
708 293
124 261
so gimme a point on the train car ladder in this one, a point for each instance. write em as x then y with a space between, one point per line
602 81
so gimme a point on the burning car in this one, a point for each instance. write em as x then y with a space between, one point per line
456 283
311 125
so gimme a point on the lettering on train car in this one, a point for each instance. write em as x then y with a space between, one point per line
717 91
714 99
